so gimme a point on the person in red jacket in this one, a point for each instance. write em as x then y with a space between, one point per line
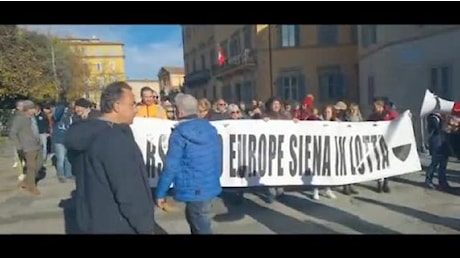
383 112
305 110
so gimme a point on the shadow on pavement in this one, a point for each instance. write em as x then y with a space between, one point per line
408 182
331 214
277 222
452 223
238 207
453 176
70 220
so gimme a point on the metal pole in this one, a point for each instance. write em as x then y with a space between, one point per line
270 59
53 61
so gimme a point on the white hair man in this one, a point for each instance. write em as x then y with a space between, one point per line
193 162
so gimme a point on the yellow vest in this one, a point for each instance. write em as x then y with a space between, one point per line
151 111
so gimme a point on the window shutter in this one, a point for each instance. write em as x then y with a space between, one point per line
279 34
302 87
297 35
340 91
323 87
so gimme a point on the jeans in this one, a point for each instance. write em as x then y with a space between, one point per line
441 162
63 167
198 217
44 143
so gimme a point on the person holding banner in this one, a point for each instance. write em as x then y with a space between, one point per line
328 115
353 114
204 108
382 112
193 165
274 112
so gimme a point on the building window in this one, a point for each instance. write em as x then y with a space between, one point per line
239 92
247 92
99 67
194 65
214 92
368 35
112 66
331 84
289 35
328 34
247 36
212 57
441 81
235 48
290 87
227 93
354 34
370 90
203 62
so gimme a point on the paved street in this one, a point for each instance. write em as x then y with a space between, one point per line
408 209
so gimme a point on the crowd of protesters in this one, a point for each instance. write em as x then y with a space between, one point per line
97 149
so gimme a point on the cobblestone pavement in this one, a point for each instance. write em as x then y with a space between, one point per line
409 209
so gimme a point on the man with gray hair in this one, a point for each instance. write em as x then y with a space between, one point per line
18 158
25 136
193 164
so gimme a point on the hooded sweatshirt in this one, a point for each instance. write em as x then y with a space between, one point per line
112 191
193 162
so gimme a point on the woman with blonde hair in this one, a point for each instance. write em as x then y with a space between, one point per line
235 112
328 115
354 113
204 108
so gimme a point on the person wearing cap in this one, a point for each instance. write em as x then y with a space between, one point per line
84 109
340 110
25 135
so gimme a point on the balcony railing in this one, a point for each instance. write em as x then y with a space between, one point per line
197 78
246 60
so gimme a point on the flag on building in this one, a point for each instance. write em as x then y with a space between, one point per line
220 56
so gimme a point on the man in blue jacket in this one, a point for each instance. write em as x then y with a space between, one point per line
193 164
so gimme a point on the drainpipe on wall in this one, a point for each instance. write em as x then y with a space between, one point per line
270 59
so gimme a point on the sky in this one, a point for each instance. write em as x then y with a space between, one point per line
147 47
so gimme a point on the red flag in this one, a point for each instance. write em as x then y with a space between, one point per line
220 57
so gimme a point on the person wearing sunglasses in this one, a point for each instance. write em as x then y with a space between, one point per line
220 111
235 112
149 106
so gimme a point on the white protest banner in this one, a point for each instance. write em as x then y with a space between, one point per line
283 153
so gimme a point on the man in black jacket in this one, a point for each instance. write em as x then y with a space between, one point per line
84 109
438 144
112 190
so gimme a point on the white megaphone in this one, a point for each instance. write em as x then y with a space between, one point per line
434 104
